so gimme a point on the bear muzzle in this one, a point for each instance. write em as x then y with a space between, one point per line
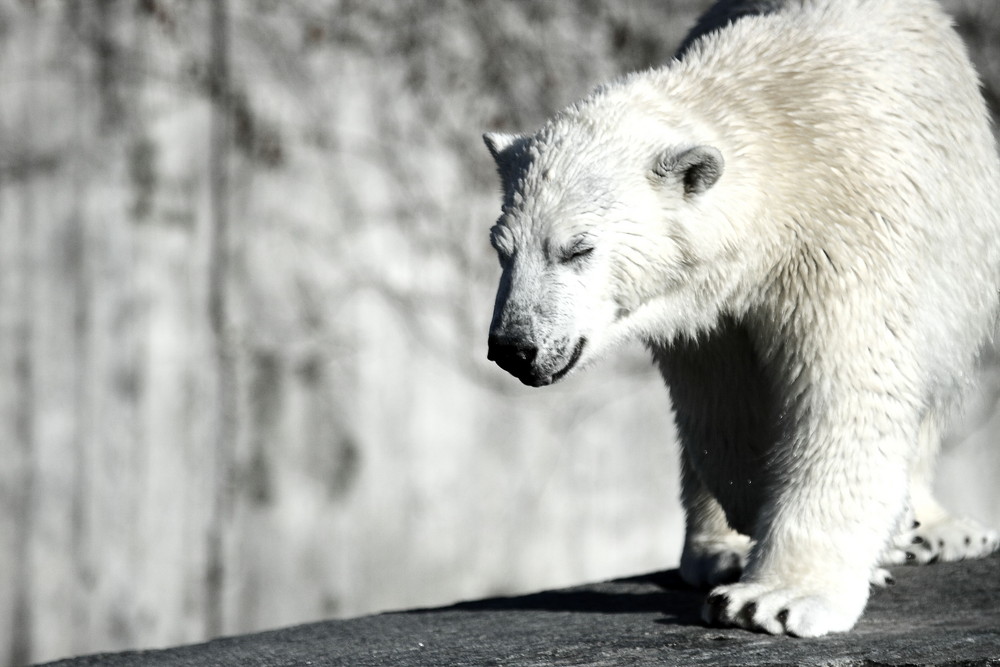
521 359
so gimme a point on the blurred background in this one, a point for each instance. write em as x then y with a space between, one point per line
245 284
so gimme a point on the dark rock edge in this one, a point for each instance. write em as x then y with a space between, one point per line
944 614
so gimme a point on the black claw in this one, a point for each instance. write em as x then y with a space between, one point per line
940 544
917 540
934 559
730 575
717 606
916 524
890 581
783 618
968 540
985 539
748 612
910 556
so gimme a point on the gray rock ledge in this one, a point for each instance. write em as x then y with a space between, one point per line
944 614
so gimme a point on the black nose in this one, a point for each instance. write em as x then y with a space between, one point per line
512 355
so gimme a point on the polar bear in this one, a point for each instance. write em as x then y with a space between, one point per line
800 218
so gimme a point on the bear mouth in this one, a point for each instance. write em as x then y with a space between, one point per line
530 378
574 358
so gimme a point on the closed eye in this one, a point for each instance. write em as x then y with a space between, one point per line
577 252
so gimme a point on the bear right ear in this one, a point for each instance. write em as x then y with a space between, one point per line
698 168
498 142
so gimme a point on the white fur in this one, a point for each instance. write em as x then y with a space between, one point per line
816 311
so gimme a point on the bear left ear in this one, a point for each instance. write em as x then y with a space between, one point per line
698 168
498 142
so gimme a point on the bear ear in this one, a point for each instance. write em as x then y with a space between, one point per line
698 168
498 142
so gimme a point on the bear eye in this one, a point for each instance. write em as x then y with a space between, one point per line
578 251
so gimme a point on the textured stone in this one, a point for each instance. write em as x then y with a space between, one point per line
944 614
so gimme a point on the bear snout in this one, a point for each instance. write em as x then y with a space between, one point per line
514 356
524 361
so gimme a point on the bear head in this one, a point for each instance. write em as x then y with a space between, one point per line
601 238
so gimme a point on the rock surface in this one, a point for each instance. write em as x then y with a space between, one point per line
944 614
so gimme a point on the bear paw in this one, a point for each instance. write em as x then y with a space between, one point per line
882 578
944 539
783 610
709 561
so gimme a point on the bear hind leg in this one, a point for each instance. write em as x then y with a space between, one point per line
930 533
713 552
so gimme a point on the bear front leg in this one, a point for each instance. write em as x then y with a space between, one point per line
819 538
713 552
